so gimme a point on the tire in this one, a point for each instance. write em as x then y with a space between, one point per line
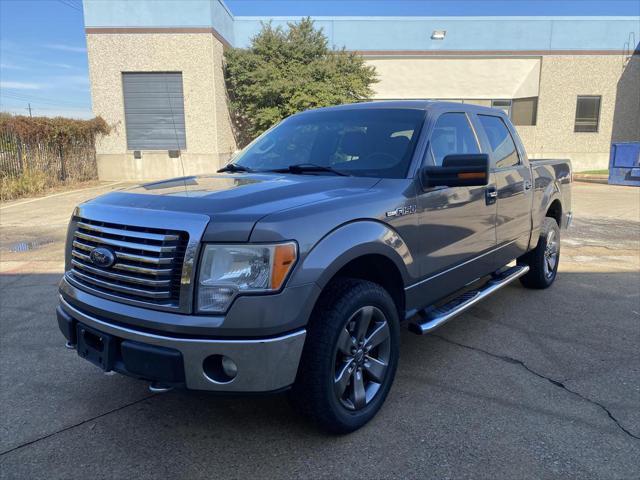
338 319
543 260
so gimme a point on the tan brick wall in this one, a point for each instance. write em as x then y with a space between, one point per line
562 79
199 57
210 139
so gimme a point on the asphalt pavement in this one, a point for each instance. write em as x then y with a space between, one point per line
528 384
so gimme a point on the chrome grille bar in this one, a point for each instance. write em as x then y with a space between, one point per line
126 267
129 233
121 278
120 288
128 256
122 244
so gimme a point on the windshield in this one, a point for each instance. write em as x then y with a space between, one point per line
361 142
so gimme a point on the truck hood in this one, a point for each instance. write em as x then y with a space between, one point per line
235 202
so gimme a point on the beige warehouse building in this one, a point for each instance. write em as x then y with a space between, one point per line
570 85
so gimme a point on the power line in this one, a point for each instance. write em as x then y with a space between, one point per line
46 102
33 110
69 4
18 95
51 109
48 106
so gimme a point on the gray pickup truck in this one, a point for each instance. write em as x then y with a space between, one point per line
294 267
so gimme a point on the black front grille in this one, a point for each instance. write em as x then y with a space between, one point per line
148 264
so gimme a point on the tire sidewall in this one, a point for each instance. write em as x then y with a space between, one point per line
348 304
549 225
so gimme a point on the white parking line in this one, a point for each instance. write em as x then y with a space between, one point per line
59 194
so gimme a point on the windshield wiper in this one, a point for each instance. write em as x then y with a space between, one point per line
302 168
234 167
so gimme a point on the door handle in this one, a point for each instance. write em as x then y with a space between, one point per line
491 195
527 185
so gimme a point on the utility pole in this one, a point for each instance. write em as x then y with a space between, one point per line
30 110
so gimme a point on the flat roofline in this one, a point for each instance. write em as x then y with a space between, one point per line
487 53
369 53
434 17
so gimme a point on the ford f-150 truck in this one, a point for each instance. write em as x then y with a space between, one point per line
295 266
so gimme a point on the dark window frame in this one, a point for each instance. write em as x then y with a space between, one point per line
597 118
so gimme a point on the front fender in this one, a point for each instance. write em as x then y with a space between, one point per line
348 242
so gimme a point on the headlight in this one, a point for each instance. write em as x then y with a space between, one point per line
227 270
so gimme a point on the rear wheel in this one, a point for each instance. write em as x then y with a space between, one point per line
544 259
350 356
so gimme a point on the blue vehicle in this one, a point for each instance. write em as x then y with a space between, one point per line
624 164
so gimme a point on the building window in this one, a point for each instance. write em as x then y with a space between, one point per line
587 113
524 111
504 105
154 111
477 101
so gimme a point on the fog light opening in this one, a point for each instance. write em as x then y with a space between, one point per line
219 368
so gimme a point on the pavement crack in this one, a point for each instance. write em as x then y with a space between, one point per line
557 383
70 427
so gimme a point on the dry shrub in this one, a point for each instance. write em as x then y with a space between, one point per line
39 153
27 184
59 130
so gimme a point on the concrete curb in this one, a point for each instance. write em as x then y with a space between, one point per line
587 178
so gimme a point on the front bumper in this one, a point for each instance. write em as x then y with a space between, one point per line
263 364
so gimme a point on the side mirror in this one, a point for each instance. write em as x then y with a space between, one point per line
466 170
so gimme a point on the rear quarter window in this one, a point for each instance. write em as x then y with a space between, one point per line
502 145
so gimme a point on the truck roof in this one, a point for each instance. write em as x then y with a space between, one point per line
408 104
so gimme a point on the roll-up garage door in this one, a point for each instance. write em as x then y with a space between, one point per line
154 111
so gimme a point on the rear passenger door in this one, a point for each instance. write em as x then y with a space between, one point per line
513 184
456 225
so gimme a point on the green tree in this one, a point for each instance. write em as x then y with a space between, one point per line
285 71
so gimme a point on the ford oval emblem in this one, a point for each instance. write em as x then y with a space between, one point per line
102 257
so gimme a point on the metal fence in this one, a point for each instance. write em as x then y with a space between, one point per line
74 162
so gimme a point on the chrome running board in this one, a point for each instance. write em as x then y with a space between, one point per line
433 318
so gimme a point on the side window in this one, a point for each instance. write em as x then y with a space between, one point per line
452 135
504 149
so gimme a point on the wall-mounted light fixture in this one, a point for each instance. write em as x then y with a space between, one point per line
438 34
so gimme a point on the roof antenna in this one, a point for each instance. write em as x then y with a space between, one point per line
175 132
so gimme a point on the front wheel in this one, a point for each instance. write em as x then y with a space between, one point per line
544 259
350 356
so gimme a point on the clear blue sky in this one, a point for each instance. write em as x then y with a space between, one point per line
43 59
